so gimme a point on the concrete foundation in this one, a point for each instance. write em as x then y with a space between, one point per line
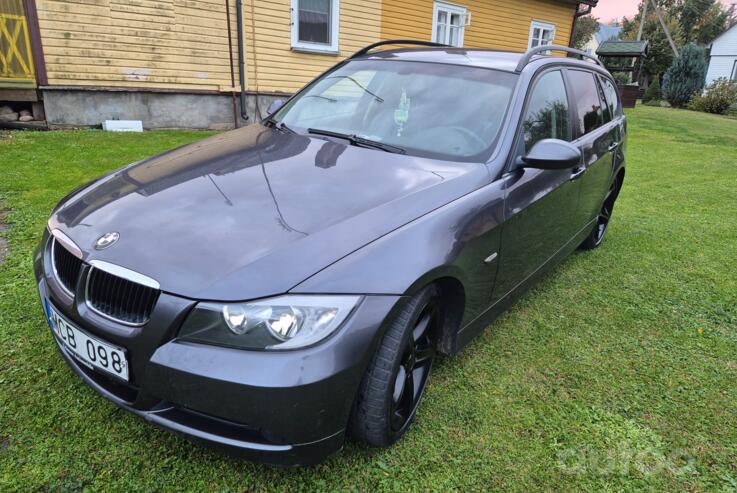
89 108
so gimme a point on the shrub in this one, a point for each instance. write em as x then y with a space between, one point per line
717 98
653 92
685 76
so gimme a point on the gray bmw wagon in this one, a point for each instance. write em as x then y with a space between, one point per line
274 289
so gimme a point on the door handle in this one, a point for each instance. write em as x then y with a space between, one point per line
577 172
613 146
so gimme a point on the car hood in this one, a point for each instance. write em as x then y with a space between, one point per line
255 211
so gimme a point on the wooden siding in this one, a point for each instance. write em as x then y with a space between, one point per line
172 44
269 53
183 44
723 56
497 24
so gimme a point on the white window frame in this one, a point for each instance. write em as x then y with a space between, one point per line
542 25
733 77
450 8
331 48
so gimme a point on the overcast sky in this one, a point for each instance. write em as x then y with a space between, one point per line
607 10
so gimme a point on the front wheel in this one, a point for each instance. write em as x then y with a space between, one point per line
397 375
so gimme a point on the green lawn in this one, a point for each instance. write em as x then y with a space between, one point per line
618 372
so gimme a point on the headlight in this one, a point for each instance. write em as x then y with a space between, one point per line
286 322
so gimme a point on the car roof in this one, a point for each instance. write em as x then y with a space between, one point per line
474 57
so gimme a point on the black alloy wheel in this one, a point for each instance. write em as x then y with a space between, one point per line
414 368
397 375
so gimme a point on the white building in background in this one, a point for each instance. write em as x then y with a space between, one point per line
605 33
723 56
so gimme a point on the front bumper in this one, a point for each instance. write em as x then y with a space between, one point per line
288 408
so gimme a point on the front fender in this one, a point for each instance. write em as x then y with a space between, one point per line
451 241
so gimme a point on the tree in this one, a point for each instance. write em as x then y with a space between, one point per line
586 27
660 57
653 91
698 21
686 76
702 21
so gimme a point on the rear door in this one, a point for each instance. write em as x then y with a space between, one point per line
540 205
596 134
614 106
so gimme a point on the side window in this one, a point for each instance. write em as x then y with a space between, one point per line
585 93
612 97
547 111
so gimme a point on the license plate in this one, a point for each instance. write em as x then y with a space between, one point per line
88 349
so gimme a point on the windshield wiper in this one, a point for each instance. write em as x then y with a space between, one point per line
358 141
278 125
320 96
381 100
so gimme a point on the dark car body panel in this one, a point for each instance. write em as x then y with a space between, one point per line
452 241
278 206
260 211
228 399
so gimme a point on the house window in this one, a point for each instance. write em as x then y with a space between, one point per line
448 23
734 72
315 25
541 33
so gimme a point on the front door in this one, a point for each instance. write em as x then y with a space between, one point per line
540 205
16 58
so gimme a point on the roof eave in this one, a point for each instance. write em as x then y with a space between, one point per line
585 2
622 54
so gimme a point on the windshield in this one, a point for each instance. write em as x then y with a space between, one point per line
428 109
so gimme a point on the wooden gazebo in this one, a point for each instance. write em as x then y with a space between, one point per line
624 49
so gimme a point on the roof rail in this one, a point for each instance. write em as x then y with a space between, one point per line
543 48
370 47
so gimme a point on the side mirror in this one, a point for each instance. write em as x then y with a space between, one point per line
274 106
552 154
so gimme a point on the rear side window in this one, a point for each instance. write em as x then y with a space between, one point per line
585 93
547 112
612 97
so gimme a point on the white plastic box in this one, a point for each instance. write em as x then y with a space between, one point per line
123 125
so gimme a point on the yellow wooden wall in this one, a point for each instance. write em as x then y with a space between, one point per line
183 44
497 24
177 44
279 68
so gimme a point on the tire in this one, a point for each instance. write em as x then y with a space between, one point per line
598 232
385 405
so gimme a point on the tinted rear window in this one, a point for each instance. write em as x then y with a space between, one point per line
586 100
612 97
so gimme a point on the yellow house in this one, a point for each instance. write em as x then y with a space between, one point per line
196 63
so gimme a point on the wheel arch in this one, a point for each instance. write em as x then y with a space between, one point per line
449 280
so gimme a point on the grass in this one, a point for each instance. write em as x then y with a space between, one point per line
616 373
